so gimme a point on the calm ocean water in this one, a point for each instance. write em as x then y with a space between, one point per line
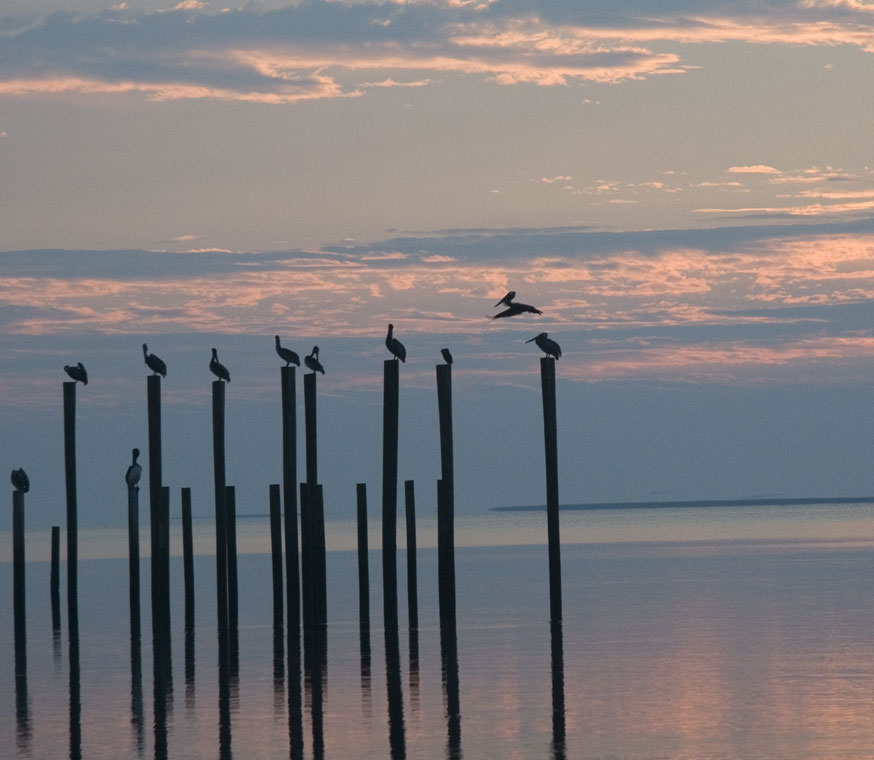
699 633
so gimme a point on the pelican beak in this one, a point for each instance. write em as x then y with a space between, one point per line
528 341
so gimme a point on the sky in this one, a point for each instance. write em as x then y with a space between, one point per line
685 189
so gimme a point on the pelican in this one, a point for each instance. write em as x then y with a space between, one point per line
506 299
78 373
154 363
446 355
547 345
20 481
312 361
395 346
286 354
134 472
218 369
516 309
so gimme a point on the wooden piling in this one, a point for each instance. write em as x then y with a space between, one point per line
306 555
55 578
446 496
188 558
133 552
163 567
289 486
233 603
276 553
390 491
363 569
221 546
412 585
320 569
550 435
160 565
18 599
309 398
72 507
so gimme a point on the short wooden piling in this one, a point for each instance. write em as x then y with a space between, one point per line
320 574
276 553
133 553
550 435
55 578
289 487
306 554
18 586
412 585
221 546
188 558
72 506
390 491
363 569
312 453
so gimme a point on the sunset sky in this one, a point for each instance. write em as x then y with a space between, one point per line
685 188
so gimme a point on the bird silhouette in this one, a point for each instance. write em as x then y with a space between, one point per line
547 345
395 346
154 363
312 361
506 299
135 471
286 354
77 373
219 369
20 481
515 309
446 355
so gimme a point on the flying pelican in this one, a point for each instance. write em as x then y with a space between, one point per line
154 363
506 299
286 354
218 369
135 471
547 345
395 346
446 355
516 309
20 481
312 361
78 373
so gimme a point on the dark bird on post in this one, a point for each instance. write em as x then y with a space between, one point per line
77 373
516 309
135 471
547 345
395 346
219 369
506 299
446 355
20 481
154 363
286 354
312 361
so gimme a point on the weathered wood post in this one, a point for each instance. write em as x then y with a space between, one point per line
390 492
55 578
363 569
320 590
160 564
72 506
312 449
188 558
163 598
446 497
18 598
550 435
221 520
133 552
412 585
19 607
276 554
306 555
289 486
233 599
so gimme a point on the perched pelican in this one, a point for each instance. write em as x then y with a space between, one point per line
286 354
312 361
547 345
446 355
20 481
506 299
219 369
134 472
154 363
515 309
395 346
77 373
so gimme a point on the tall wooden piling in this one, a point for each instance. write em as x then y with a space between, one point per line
312 452
289 486
306 555
390 491
18 598
133 554
160 565
550 435
188 558
363 569
320 571
163 567
233 599
72 506
221 546
276 553
412 585
55 578
446 496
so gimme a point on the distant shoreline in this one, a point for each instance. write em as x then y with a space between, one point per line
682 504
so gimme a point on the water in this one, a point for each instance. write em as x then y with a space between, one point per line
704 634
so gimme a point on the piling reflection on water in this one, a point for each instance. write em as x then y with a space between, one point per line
558 714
